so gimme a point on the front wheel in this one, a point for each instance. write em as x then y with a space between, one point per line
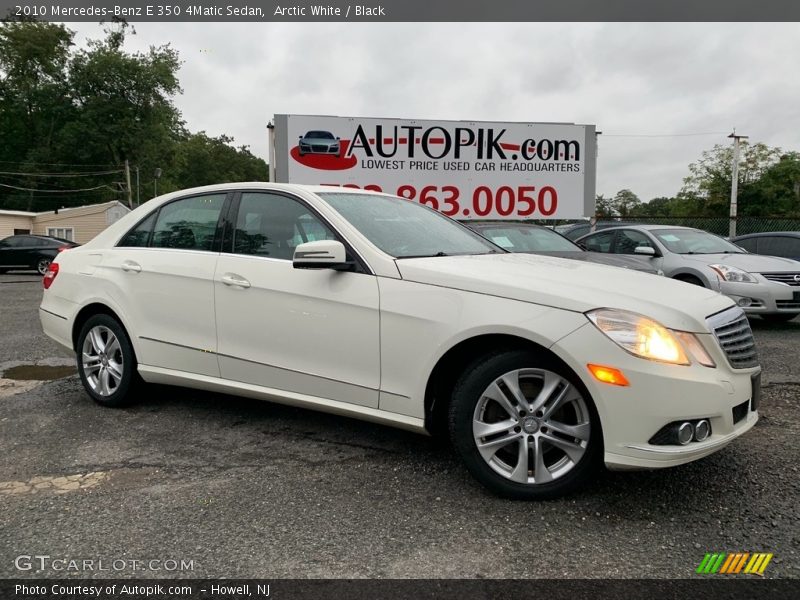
106 362
525 426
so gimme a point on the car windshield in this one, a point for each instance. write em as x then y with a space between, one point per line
322 135
526 238
693 241
404 229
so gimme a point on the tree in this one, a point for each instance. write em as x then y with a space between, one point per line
205 160
625 202
709 178
89 110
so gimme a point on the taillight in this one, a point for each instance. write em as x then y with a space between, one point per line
64 247
49 277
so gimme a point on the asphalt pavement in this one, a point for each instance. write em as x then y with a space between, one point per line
191 484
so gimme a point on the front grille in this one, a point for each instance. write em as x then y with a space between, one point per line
740 411
735 337
787 278
788 304
318 148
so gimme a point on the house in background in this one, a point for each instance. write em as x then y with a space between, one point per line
79 224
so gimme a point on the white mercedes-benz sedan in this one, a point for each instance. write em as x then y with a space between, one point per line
374 307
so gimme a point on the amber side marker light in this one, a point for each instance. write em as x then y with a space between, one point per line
608 375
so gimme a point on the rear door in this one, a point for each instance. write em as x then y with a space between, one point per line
163 276
311 332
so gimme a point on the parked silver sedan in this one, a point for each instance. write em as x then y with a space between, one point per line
767 286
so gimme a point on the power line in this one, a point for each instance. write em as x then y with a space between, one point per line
24 162
655 135
85 174
24 189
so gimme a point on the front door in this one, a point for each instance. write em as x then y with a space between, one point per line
309 332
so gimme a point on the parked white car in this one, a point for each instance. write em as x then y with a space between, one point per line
374 307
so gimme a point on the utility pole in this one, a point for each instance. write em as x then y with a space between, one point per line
734 181
128 181
137 187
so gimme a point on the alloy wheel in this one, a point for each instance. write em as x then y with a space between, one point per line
102 360
531 426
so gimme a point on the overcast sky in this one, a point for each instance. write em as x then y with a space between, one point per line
628 79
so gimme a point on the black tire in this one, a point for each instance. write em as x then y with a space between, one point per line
779 317
469 391
42 263
690 279
123 392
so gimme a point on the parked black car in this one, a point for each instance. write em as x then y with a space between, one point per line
773 243
535 239
30 252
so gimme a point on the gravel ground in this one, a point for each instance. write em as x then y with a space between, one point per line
251 489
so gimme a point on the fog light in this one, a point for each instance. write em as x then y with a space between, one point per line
702 430
685 433
744 301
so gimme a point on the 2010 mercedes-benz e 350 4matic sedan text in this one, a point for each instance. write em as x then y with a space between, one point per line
374 307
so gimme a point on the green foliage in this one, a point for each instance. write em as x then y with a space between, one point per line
69 110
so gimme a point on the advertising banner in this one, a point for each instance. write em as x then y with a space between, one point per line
465 169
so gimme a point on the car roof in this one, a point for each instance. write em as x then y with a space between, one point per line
767 234
267 186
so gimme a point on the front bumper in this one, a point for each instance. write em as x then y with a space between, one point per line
764 297
659 394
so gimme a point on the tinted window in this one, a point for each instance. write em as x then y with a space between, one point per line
748 244
14 242
405 229
577 232
600 242
520 238
779 246
140 235
188 224
628 240
273 225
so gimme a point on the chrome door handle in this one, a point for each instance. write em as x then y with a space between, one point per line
129 265
237 280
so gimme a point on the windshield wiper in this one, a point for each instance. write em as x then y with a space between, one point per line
440 253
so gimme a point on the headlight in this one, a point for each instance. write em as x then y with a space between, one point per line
640 336
729 273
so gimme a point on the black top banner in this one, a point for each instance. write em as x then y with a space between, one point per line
403 10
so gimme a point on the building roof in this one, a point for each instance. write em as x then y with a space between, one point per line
86 209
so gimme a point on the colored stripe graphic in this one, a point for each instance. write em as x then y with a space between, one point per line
734 563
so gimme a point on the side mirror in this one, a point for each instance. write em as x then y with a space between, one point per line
645 250
299 137
322 254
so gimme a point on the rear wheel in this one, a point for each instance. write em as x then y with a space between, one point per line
42 264
524 426
106 362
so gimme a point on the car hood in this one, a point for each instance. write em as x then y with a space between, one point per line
614 260
752 263
570 285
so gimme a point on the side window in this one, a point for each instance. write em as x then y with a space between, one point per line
748 244
600 242
139 236
779 246
14 242
273 225
628 240
189 223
